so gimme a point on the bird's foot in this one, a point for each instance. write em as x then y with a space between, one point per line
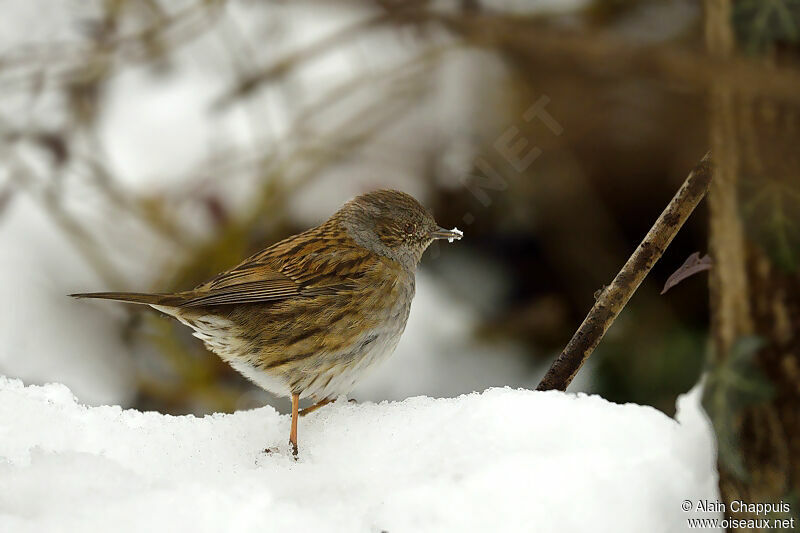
316 406
320 405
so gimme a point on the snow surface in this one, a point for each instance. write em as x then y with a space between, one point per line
451 240
501 460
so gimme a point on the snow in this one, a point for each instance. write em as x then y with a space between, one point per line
509 460
460 233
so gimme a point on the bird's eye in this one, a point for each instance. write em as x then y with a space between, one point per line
411 229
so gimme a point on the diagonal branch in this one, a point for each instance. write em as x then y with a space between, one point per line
614 297
602 54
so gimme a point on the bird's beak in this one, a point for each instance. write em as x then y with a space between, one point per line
449 234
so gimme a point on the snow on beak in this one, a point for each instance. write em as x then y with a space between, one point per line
450 234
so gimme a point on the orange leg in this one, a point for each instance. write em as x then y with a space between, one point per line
318 405
293 434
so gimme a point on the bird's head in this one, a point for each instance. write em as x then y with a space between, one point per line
393 224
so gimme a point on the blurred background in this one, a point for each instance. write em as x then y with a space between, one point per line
146 145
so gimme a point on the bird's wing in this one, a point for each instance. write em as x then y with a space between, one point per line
298 267
233 287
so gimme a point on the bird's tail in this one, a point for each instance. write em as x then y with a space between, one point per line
167 300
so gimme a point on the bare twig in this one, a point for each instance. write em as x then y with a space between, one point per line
604 55
65 62
250 83
615 296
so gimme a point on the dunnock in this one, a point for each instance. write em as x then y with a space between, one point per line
308 316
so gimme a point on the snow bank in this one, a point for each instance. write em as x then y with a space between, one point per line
502 460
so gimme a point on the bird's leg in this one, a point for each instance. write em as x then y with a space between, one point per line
318 405
293 434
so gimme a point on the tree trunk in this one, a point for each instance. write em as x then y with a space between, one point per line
758 434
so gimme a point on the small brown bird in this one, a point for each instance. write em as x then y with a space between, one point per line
308 316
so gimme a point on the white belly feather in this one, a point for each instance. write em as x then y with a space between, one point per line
324 381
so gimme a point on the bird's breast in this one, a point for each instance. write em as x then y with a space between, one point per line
331 373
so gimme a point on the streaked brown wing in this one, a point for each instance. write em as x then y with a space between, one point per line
262 292
269 290
275 275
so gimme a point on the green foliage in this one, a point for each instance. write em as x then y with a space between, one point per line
760 24
771 210
672 366
734 383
